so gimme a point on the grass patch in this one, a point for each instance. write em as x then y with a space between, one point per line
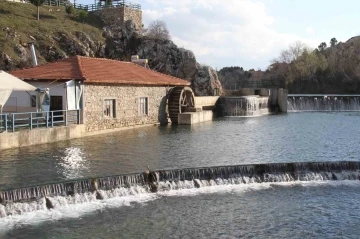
20 19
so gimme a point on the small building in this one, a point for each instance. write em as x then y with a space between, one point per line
109 93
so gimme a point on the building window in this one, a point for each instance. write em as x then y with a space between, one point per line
109 108
143 106
33 99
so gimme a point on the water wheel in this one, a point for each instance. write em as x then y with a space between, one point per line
179 100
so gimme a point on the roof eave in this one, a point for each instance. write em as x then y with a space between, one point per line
135 84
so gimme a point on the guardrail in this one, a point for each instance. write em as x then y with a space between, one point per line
253 85
56 3
29 120
95 7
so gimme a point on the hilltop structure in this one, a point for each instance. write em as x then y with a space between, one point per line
118 12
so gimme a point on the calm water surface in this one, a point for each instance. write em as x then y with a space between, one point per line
278 138
266 210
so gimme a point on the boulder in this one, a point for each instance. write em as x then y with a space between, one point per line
165 57
21 51
206 81
6 62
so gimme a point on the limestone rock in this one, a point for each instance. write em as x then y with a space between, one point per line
80 44
52 53
206 81
122 38
21 51
166 57
6 63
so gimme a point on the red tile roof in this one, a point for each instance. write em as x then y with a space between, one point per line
98 70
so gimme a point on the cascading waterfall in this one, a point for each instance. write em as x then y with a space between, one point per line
244 106
323 102
22 200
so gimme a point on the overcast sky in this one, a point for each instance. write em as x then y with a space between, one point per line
249 33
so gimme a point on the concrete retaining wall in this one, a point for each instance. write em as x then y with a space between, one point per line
248 92
278 100
40 136
195 117
201 101
282 100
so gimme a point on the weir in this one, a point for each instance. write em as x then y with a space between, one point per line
244 106
252 102
42 197
321 102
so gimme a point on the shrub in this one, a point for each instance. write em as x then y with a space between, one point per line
82 15
69 9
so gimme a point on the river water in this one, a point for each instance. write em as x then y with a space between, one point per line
294 209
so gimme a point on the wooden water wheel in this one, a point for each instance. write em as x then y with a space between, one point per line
180 99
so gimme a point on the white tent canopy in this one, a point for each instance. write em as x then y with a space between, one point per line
8 83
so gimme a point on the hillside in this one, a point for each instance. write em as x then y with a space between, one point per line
235 77
52 35
58 35
329 70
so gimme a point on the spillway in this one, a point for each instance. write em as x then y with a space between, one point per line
42 197
297 102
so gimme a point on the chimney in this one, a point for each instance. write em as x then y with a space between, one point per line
33 54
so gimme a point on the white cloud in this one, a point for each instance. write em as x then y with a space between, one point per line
310 30
222 33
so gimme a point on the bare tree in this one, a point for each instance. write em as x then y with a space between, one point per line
158 30
37 3
293 53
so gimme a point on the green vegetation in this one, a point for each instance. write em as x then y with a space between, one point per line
334 69
69 9
333 42
328 70
235 77
19 26
37 3
82 15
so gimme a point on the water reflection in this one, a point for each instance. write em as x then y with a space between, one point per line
278 138
73 163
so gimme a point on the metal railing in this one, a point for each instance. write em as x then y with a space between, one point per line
253 85
56 3
95 7
29 120
113 4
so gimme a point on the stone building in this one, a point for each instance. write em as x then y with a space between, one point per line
120 13
113 93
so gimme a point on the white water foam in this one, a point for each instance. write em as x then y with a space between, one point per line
305 103
81 204
69 207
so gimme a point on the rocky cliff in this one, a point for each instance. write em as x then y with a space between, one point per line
206 81
58 35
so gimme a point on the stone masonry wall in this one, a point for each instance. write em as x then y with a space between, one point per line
134 15
117 16
127 100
